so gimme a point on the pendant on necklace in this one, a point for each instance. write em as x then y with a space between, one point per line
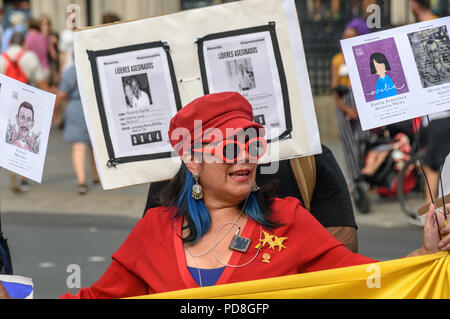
239 243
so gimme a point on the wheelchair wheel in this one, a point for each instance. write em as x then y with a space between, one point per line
361 198
411 199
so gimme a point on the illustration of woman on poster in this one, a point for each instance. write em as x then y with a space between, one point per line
385 87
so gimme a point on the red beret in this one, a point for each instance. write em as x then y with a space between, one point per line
211 115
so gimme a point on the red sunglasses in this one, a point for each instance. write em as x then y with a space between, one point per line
230 150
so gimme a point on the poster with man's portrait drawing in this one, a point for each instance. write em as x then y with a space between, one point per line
25 120
23 130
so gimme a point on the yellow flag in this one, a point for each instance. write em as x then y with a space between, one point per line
407 278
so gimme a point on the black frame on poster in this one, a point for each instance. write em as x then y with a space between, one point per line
93 55
270 27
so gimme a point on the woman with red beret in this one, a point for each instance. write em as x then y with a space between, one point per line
217 226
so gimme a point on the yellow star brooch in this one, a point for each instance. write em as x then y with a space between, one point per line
272 241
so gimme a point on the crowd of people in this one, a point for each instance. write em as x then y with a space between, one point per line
33 53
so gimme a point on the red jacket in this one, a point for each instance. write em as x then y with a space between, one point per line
152 258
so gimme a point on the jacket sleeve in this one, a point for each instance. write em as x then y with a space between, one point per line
318 249
116 282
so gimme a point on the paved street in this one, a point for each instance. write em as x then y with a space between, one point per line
51 227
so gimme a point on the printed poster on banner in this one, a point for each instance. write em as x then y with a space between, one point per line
260 55
401 73
137 97
25 120
248 61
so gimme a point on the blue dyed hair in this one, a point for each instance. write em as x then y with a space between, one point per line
198 216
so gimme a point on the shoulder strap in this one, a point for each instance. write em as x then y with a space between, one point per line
7 57
20 55
304 169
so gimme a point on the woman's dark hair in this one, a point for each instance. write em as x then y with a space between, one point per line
379 58
425 4
178 194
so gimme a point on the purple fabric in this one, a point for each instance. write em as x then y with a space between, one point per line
359 25
38 43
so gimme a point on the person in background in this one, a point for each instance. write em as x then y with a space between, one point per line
422 11
66 52
347 116
54 75
18 24
110 17
52 38
75 129
2 15
28 62
36 42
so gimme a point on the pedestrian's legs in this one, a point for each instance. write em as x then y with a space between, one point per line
79 164
19 184
95 177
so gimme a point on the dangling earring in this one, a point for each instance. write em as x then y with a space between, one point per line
197 191
255 188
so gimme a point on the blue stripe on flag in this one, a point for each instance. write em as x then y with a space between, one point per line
19 291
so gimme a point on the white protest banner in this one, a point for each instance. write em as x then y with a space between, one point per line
401 73
25 120
165 56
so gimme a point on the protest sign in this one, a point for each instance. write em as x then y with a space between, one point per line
25 120
401 73
249 61
166 55
138 98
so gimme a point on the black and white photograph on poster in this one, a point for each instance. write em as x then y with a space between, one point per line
137 91
137 96
24 127
431 49
240 74
248 61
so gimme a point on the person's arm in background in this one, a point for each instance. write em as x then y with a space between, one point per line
61 97
350 112
348 235
331 204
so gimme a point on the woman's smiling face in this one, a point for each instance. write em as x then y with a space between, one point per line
226 182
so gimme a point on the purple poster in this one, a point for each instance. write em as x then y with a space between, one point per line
380 69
